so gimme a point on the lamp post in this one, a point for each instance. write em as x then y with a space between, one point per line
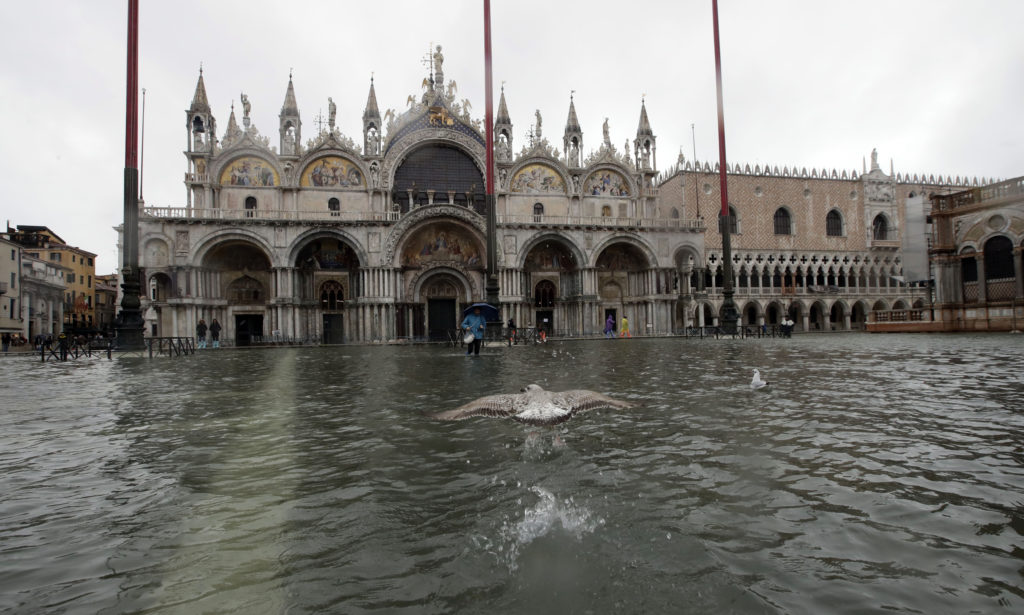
129 323
729 313
492 216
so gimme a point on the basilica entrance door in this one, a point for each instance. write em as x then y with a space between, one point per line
247 326
441 318
334 331
545 321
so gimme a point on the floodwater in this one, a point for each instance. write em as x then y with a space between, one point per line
877 473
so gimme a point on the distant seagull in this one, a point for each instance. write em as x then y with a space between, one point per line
533 406
757 383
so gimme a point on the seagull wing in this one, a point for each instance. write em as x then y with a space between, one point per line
491 405
582 400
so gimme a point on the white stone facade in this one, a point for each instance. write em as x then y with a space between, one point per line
331 242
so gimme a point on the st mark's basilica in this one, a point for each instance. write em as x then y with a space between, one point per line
335 241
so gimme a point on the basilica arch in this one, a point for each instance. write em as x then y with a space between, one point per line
236 286
441 263
552 280
326 284
623 269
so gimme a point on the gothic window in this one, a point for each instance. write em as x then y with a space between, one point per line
334 206
880 227
675 213
733 221
245 289
544 294
538 212
834 224
332 295
998 258
606 211
783 222
250 207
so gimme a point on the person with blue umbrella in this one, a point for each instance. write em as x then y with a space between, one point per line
474 324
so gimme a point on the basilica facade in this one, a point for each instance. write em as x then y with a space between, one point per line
334 241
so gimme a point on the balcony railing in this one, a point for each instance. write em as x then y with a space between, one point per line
270 214
815 291
392 216
602 221
911 315
975 196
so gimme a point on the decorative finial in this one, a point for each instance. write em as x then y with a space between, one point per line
290 73
200 68
502 86
571 94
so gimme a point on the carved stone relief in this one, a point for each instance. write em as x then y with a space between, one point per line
181 242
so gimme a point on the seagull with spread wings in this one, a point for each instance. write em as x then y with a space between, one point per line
533 406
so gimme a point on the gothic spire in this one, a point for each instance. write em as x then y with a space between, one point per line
290 107
199 102
644 129
232 124
371 112
502 117
573 123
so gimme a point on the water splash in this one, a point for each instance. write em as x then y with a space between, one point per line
548 515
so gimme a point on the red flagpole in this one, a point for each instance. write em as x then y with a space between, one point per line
489 98
729 314
721 115
492 286
132 116
130 323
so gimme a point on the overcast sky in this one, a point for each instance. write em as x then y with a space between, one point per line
935 85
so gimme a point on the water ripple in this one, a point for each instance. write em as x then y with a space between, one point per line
878 472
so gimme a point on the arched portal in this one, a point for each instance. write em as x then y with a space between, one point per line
621 281
327 279
442 267
440 296
553 275
750 313
837 316
239 278
816 317
859 316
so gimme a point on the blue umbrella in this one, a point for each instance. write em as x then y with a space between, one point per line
488 311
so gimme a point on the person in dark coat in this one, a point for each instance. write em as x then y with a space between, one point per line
215 333
201 333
